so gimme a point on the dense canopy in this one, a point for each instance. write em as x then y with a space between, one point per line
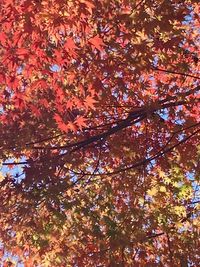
100 132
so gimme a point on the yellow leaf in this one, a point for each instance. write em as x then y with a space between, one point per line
141 200
163 189
179 224
161 173
1 177
180 211
152 192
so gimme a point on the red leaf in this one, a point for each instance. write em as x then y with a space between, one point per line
44 102
35 111
89 102
70 45
3 38
71 126
63 127
97 42
80 121
57 118
89 5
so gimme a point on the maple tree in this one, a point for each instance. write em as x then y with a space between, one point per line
100 130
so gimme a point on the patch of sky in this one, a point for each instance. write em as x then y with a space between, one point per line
188 19
19 70
192 177
10 257
163 114
55 68
16 172
155 61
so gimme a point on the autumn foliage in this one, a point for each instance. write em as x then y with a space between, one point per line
100 131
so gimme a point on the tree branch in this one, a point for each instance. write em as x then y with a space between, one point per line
177 72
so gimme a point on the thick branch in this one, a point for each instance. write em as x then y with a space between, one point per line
147 160
177 72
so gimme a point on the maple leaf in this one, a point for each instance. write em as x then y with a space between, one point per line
58 118
22 51
35 111
1 177
44 102
71 126
81 122
3 38
97 42
63 127
88 4
89 102
152 192
70 44
69 105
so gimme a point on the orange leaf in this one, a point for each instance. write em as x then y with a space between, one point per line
72 126
89 102
97 42
70 44
80 121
